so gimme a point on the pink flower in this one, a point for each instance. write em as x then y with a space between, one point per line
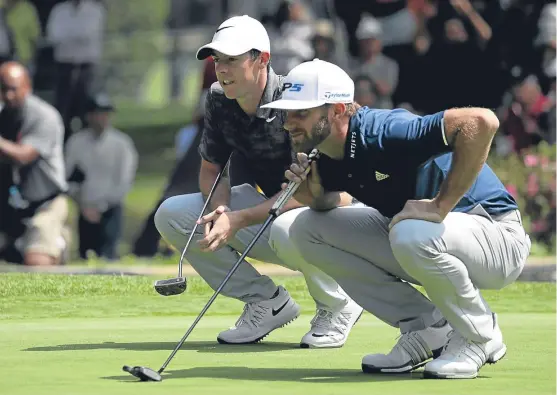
533 186
531 160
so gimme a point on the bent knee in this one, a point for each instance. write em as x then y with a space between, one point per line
174 214
163 215
412 238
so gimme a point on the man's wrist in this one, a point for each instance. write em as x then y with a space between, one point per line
444 204
243 218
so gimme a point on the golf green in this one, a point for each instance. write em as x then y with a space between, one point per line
73 334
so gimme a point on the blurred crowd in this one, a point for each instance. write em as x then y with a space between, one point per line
428 55
61 146
422 55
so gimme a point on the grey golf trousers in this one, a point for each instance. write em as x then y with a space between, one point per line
452 260
176 218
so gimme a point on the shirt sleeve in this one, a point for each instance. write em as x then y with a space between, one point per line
43 135
416 138
213 147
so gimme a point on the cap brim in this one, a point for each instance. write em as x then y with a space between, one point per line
284 104
230 49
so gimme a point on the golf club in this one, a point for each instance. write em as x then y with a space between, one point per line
177 285
147 374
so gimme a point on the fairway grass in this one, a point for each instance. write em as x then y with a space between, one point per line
72 334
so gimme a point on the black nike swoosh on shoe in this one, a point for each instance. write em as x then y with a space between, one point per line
222 28
275 312
316 335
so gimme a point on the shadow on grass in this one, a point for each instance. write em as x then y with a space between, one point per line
277 374
199 346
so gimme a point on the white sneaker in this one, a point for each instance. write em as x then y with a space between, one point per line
412 350
261 318
463 358
330 329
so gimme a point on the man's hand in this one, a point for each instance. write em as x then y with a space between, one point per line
91 214
221 226
310 184
426 210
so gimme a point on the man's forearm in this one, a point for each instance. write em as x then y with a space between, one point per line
16 153
472 142
8 151
258 214
221 195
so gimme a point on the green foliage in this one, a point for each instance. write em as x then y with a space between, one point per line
530 177
135 40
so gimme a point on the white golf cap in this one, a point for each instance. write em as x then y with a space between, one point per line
236 36
313 84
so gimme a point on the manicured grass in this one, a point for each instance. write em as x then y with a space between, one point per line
72 334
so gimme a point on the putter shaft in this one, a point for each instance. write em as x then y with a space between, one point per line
284 197
217 292
219 176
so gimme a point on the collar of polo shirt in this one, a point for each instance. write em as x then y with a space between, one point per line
272 89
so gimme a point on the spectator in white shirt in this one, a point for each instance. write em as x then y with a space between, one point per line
75 30
381 69
101 162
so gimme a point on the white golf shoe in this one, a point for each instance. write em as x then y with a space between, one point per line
330 329
463 358
261 318
412 350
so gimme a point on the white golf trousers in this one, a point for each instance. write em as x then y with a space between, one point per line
176 218
452 260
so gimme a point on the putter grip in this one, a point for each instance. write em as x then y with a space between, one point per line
291 188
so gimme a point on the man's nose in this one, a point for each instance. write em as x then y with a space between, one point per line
221 68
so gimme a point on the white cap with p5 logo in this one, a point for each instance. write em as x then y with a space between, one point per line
313 84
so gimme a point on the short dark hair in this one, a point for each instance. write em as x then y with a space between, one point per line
255 53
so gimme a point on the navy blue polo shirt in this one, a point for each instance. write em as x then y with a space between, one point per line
392 156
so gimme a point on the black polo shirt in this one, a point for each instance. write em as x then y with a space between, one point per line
261 139
392 156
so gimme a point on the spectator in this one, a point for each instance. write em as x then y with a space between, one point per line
23 20
75 29
364 91
382 70
31 143
324 45
525 122
186 136
291 33
101 162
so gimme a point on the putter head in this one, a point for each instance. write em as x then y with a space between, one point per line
142 373
172 286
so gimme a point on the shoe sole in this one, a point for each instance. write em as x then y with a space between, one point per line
496 357
258 339
331 345
399 369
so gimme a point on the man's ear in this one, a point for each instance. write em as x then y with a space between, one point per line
338 110
265 58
